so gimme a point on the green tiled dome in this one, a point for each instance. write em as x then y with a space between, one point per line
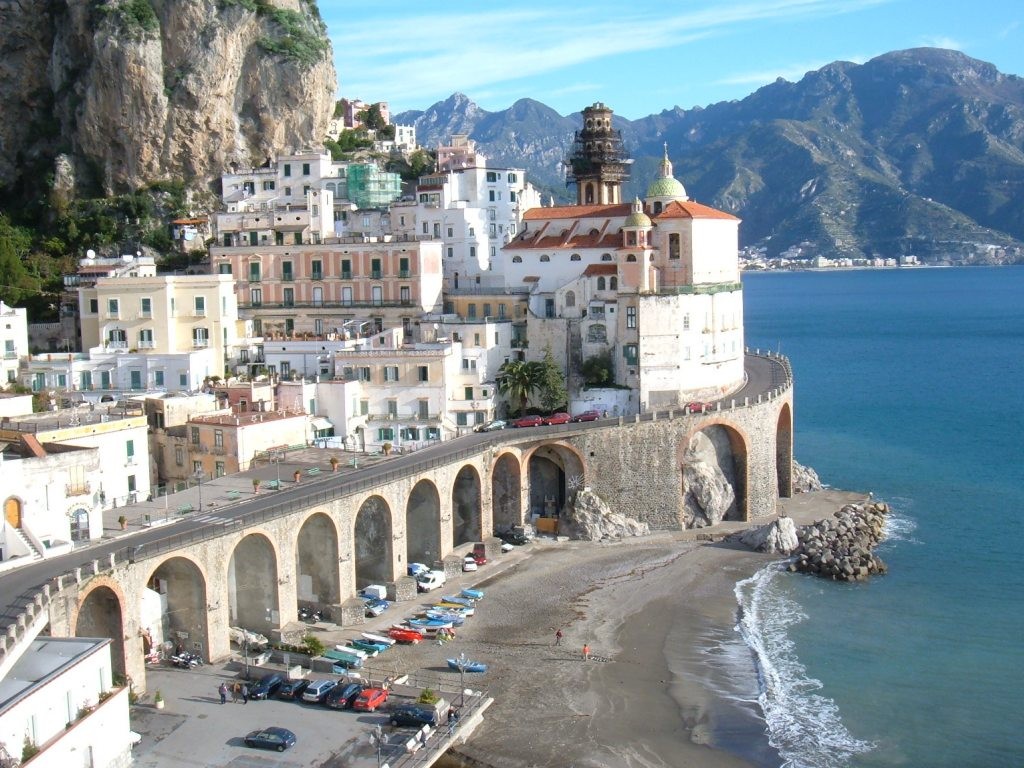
666 187
637 219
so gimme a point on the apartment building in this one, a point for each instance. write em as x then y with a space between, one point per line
13 341
225 443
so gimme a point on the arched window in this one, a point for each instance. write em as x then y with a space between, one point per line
570 299
600 283
651 259
606 257
545 257
517 259
594 233
631 238
673 245
631 257
613 283
657 207
574 257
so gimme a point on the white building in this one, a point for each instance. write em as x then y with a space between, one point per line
58 702
13 340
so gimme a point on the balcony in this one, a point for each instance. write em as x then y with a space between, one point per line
10 354
317 276
78 489
147 344
376 274
404 273
288 277
200 343
117 344
346 275
199 312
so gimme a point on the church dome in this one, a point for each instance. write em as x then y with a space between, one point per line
637 218
666 187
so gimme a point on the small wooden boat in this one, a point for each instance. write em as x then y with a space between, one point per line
369 646
376 638
406 635
429 625
341 659
351 651
473 594
454 608
355 646
466 666
457 619
465 601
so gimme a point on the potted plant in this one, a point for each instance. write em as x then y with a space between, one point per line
158 700
123 521
386 448
334 463
256 485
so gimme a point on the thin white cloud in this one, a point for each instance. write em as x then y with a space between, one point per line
1008 30
421 57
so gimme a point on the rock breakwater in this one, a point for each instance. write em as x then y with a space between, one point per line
840 548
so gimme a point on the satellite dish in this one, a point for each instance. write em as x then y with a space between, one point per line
90 254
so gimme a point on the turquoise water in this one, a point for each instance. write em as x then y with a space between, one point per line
909 385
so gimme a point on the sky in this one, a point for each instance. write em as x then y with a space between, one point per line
637 57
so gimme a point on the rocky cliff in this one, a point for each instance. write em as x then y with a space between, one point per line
105 96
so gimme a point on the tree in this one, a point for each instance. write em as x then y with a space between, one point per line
16 282
597 370
517 380
551 382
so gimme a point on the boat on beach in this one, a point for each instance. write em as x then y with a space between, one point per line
455 608
460 665
456 619
368 645
473 594
405 634
377 638
429 625
456 600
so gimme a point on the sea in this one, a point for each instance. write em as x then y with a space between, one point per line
908 386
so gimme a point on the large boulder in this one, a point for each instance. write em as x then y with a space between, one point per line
777 538
805 479
589 518
709 495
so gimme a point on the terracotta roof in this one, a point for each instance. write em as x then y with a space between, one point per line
577 211
678 209
600 269
33 445
189 221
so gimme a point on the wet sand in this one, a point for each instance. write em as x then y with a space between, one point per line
655 611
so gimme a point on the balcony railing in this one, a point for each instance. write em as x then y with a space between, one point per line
117 344
288 278
147 345
376 274
10 354
317 276
404 273
346 275
78 489
200 343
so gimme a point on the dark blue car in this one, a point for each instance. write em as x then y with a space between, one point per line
292 689
266 687
271 738
342 696
413 714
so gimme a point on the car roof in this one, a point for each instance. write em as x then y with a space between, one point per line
278 731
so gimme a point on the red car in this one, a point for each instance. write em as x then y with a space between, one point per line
370 699
528 421
587 416
698 407
557 418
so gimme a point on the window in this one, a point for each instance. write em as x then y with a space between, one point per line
544 257
200 338
468 364
390 373
182 380
476 339
451 232
268 185
113 307
629 352
472 251
501 311
392 408
437 229
462 419
423 373
468 392
287 169
218 438
491 196
471 311
487 309
375 270
146 307
606 257
673 246
512 195
570 299
424 409
377 295
686 321
631 257
600 284
200 306
346 269
613 283
287 273
179 456
492 176
631 317
305 169
364 407
129 449
574 257
146 338
346 296
403 267
218 469
289 297
256 297
195 435
254 272
517 259
131 484
94 306
405 294
451 252
158 378
385 433
513 178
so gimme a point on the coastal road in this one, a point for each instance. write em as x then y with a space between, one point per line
19 585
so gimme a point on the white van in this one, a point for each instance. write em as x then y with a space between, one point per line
429 580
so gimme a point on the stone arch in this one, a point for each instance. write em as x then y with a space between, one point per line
372 542
252 582
12 511
177 589
423 524
784 451
316 561
551 468
466 507
714 472
506 493
101 614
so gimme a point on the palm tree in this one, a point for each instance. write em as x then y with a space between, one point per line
517 380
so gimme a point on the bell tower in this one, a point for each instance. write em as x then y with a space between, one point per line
598 164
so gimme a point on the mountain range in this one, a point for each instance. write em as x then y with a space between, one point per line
917 152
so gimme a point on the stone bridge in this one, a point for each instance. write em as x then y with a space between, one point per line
319 543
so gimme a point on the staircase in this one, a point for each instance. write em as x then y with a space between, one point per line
36 554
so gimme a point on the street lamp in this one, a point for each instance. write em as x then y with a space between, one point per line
276 460
198 475
463 661
377 740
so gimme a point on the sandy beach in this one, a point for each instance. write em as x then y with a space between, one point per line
652 610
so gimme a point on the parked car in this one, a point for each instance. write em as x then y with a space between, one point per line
292 689
415 569
558 418
370 699
491 426
429 580
698 407
587 416
414 715
317 690
267 686
513 537
469 564
342 696
270 738
376 607
528 421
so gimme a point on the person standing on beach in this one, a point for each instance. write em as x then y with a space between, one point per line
245 693
236 692
586 652
558 637
223 691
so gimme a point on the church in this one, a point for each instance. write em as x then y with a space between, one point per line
653 283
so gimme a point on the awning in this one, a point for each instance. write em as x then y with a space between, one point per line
321 424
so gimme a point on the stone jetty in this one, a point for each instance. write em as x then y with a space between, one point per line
840 547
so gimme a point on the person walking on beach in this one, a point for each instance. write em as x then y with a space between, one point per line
223 691
558 637
245 693
586 652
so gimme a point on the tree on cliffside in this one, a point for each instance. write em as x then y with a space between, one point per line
517 380
16 283
552 383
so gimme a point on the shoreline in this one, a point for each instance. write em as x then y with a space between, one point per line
671 681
